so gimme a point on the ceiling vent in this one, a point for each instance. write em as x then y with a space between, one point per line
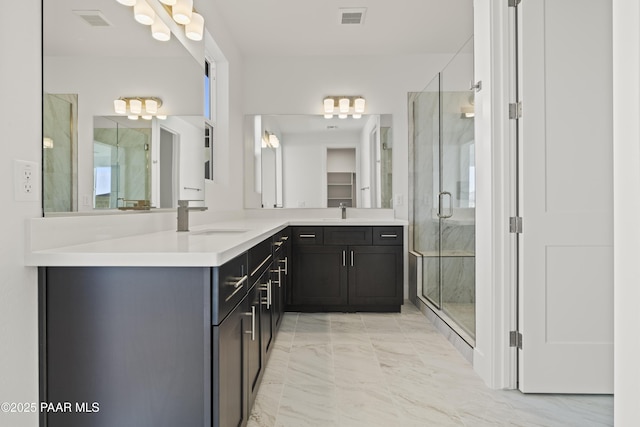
352 15
95 18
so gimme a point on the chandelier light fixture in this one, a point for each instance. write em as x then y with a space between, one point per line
181 11
346 105
139 106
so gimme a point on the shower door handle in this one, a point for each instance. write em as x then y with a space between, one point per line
440 196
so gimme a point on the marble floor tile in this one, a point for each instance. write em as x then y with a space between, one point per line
367 369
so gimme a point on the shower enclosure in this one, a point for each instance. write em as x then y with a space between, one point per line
443 214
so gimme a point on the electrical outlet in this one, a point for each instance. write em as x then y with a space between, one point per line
25 177
399 200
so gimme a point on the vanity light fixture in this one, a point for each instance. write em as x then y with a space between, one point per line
353 105
135 107
47 142
181 11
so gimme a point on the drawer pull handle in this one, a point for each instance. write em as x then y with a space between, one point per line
233 294
307 236
278 244
388 236
261 264
286 265
239 282
253 323
284 238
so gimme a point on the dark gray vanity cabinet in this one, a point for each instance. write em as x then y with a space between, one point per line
346 268
134 340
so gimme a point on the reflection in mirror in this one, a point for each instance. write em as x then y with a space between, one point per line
121 172
320 163
90 166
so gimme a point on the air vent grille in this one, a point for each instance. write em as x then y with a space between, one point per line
352 16
95 18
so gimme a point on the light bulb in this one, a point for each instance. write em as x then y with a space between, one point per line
161 117
182 11
168 2
143 13
342 116
147 116
356 115
195 28
132 117
127 2
328 116
358 105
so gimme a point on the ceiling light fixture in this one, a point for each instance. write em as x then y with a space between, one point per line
139 106
347 105
181 11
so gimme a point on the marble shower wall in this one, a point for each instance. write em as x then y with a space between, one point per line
59 166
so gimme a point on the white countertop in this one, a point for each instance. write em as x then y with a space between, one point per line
204 246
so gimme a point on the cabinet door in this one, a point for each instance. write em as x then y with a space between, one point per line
319 275
265 289
230 398
254 349
375 275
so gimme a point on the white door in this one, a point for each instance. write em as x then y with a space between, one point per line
566 252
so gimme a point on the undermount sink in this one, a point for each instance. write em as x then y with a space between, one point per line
208 232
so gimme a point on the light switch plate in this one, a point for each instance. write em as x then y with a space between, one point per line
26 181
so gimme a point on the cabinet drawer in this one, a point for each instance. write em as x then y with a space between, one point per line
307 235
347 235
230 285
259 257
387 236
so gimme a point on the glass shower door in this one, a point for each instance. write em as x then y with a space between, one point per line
457 191
444 190
426 157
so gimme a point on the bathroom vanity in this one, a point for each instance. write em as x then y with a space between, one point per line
177 329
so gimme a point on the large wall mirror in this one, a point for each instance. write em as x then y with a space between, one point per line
94 52
307 161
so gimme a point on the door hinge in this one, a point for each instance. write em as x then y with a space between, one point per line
515 110
515 224
514 3
515 339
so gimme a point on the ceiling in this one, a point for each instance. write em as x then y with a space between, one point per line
312 27
272 27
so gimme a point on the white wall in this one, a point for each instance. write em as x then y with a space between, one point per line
304 163
21 139
626 110
297 85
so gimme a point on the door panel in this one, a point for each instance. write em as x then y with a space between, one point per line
566 259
